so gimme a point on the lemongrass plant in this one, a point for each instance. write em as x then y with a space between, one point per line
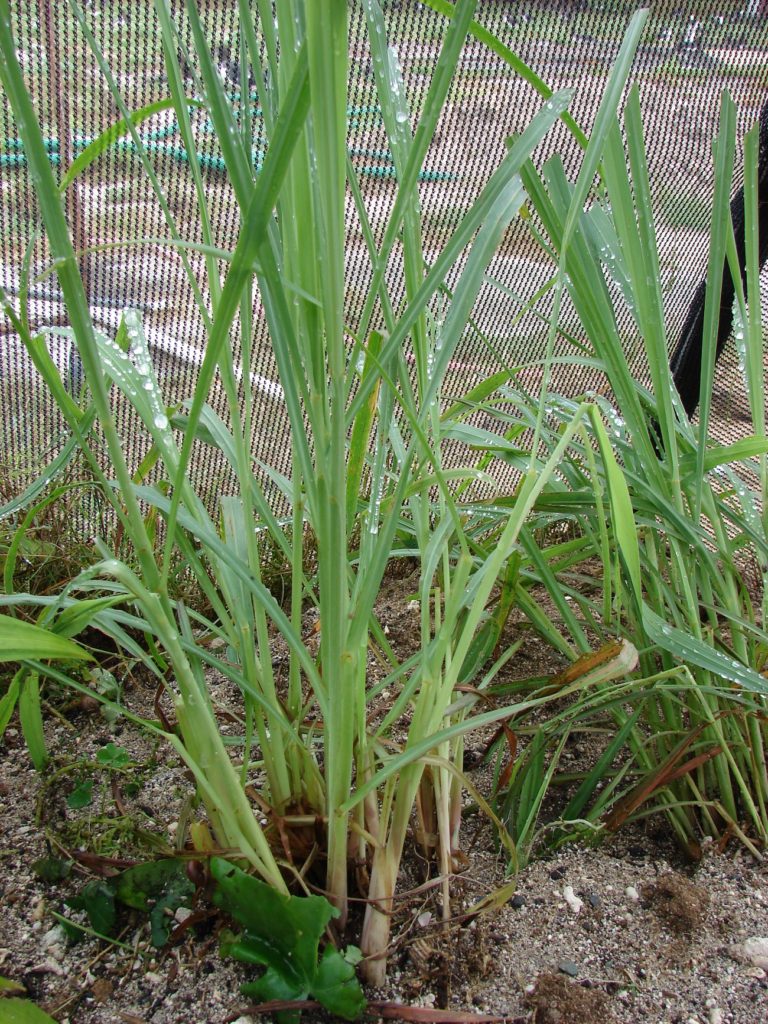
365 443
685 565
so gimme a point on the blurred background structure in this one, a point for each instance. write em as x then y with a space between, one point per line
691 51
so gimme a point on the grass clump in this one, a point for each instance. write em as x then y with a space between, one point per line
681 538
370 476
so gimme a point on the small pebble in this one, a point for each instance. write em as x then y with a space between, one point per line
715 1015
632 893
568 967
55 936
557 873
153 978
573 901
755 950
594 901
49 966
517 901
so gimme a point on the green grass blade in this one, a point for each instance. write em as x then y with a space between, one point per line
622 513
9 699
604 119
647 279
513 60
514 160
217 106
360 436
253 242
754 367
548 579
109 136
67 270
694 651
721 218
602 767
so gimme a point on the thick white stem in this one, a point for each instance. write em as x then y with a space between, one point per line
442 801
378 917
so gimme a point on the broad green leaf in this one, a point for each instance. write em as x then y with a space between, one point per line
139 886
31 720
20 641
76 616
283 933
156 887
112 756
9 985
52 869
21 1011
98 902
81 795
336 986
270 986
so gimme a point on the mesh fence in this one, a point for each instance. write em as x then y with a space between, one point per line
690 52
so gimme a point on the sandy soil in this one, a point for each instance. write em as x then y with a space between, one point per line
626 933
